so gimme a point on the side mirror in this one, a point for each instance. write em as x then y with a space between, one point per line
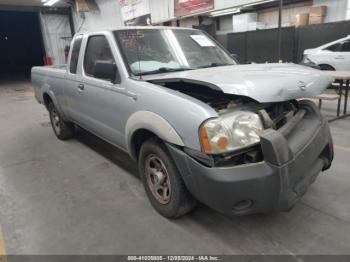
106 70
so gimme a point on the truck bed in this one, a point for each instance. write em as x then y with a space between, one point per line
48 77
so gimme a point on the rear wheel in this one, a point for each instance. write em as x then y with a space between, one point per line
62 129
162 181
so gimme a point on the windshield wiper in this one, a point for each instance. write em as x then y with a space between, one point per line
163 70
214 65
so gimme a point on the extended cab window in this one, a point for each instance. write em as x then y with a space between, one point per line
97 49
75 55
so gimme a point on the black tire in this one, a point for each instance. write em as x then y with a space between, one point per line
62 129
179 201
326 68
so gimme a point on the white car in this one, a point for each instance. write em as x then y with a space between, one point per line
331 56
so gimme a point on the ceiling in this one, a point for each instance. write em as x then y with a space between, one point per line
27 3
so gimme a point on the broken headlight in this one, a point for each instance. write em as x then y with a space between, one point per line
230 132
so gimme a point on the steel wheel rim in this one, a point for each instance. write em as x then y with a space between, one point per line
158 179
56 122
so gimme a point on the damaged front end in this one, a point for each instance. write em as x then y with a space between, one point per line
294 146
273 116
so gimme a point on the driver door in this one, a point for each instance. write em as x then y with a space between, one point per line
99 101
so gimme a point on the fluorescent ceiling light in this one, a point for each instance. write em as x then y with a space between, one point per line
225 12
50 2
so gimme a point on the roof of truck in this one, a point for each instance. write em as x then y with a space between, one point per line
151 27
136 28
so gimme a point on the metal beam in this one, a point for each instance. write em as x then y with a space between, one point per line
280 9
17 8
71 22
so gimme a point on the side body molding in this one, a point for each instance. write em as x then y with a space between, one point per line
153 123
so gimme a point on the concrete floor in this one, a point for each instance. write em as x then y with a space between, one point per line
84 197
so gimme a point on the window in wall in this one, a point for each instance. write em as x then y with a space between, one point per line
75 55
97 49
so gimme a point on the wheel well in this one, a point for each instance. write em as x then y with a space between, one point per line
138 138
47 100
324 66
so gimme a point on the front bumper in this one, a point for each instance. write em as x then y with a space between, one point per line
293 157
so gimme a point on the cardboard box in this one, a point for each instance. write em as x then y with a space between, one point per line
315 20
318 10
301 20
86 6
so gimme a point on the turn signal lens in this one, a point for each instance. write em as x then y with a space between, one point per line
205 140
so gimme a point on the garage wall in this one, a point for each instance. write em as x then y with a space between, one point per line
163 10
248 45
108 16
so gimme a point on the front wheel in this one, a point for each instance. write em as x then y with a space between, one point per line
62 129
162 181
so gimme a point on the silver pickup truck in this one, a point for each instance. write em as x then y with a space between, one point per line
201 127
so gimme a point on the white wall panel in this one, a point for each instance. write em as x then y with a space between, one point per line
161 10
57 35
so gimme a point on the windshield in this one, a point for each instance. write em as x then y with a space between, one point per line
152 51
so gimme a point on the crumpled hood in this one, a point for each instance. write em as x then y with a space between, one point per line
261 82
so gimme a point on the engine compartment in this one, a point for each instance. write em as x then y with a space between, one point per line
214 98
273 115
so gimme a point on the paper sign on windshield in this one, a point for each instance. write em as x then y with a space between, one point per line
202 40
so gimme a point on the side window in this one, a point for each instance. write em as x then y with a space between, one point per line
97 49
345 46
75 55
333 48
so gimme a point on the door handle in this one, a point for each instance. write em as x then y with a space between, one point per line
132 95
81 87
339 57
